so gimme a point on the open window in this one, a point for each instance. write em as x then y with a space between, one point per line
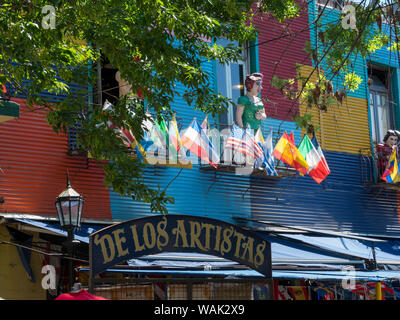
230 83
381 106
382 122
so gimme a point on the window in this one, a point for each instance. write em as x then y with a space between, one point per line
105 90
230 83
381 109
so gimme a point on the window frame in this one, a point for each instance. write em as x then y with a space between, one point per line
376 123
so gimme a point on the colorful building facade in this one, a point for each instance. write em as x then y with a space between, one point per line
34 161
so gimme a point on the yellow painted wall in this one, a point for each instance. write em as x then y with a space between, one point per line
14 282
343 128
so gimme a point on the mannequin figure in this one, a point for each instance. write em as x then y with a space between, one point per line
250 109
385 149
124 86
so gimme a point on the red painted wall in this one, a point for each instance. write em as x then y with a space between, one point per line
282 53
34 162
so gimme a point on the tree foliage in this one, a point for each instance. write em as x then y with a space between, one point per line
155 45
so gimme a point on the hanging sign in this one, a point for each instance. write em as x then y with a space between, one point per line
178 233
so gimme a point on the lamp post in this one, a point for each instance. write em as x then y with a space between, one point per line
69 206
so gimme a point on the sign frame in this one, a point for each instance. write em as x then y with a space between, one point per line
177 233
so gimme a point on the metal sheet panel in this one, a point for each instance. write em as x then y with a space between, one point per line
343 128
279 50
358 63
196 192
383 56
34 162
339 203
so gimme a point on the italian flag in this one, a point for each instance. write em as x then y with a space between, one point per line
318 168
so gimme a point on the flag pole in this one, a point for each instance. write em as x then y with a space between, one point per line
378 289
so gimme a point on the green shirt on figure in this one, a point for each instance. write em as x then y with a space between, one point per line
249 112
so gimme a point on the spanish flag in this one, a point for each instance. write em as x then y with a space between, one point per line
286 151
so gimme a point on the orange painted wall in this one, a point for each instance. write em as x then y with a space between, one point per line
34 162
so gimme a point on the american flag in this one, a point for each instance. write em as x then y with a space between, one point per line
244 142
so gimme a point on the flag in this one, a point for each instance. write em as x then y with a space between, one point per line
243 141
147 127
317 169
195 140
292 138
204 125
175 143
253 147
287 152
159 134
392 170
323 166
298 292
267 160
127 136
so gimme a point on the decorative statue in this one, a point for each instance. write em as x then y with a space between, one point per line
250 109
385 149
124 87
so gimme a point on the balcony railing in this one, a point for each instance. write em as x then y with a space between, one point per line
235 162
372 167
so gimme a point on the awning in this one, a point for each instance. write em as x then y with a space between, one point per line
384 252
288 250
284 253
373 276
82 234
8 110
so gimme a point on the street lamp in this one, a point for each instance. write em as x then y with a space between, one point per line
69 206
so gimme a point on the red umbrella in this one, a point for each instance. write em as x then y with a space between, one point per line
79 295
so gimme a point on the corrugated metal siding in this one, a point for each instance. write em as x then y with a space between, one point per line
384 56
358 64
278 129
34 162
196 192
288 50
343 128
340 203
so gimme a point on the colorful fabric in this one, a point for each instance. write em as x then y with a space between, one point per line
175 144
195 140
287 152
159 134
321 154
266 161
383 152
391 174
254 149
80 295
243 141
317 169
204 125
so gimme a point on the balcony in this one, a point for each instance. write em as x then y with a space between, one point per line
372 168
235 162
